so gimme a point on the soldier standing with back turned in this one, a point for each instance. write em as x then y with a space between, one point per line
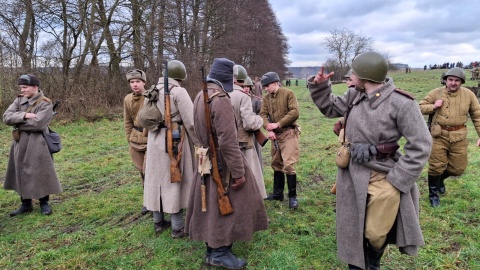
280 113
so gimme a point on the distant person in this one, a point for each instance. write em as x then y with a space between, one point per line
220 231
296 82
160 194
453 105
377 194
137 139
30 171
280 113
425 67
258 87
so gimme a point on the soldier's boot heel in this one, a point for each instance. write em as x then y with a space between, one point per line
25 207
278 186
292 191
223 257
433 190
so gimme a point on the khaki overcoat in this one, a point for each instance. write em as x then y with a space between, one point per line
158 186
30 172
249 213
385 117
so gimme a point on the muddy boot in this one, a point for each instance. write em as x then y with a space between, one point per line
161 226
25 207
144 210
433 193
223 257
441 183
44 207
292 191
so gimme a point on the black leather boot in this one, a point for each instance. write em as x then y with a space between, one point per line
278 186
25 207
433 193
441 183
223 257
374 256
292 191
208 253
44 207
353 267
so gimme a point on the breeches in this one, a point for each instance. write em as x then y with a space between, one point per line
138 158
285 158
448 156
383 201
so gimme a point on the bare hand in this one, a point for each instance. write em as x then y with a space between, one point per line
238 183
478 142
271 135
272 126
438 104
30 115
320 77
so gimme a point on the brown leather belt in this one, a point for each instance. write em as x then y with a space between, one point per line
452 128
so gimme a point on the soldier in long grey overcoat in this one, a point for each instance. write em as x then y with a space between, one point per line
377 195
31 172
160 195
249 215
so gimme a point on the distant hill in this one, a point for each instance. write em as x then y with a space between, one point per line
302 72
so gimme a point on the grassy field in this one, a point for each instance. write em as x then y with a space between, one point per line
97 223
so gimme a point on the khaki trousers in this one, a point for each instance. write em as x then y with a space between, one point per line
448 156
137 154
285 158
382 207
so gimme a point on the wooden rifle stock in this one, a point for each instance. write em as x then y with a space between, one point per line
274 141
223 200
261 138
175 175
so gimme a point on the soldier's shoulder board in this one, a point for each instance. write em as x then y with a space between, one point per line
405 93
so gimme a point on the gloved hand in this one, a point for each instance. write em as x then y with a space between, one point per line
238 183
362 152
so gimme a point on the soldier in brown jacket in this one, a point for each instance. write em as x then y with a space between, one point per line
280 113
453 105
137 141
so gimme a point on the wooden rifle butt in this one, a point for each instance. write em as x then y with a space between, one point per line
261 138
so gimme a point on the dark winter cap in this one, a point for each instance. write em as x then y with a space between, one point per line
28 79
269 77
222 72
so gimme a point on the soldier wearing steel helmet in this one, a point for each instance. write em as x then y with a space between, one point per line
247 123
453 106
280 113
379 182
137 139
160 195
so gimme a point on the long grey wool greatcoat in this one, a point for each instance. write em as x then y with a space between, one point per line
249 213
158 186
30 172
386 117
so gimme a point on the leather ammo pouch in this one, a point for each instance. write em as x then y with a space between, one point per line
385 150
435 130
16 134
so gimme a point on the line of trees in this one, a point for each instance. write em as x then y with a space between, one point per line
81 49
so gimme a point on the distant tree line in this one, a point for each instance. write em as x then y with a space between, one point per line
81 49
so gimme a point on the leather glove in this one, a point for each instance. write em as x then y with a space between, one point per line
362 152
238 183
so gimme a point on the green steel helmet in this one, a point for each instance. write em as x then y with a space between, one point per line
457 72
348 74
176 70
370 66
240 73
248 82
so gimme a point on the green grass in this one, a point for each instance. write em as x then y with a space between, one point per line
97 223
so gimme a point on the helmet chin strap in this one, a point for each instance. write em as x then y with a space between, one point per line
360 88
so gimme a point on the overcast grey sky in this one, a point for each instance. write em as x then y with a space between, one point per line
413 32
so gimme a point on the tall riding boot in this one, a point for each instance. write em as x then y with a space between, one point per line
208 253
278 186
25 207
292 191
374 256
433 193
44 207
223 257
441 184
